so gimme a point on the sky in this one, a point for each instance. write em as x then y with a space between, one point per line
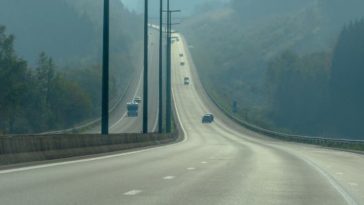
187 6
135 5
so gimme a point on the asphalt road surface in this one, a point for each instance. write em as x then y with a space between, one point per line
218 163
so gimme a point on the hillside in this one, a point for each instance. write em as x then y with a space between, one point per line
67 30
65 37
235 45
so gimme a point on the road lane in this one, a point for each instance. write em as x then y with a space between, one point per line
218 163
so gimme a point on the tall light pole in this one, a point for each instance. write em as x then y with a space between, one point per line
169 69
105 72
168 83
145 76
160 114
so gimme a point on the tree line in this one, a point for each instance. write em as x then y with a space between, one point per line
40 98
321 94
283 68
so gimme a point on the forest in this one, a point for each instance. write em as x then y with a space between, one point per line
50 63
291 68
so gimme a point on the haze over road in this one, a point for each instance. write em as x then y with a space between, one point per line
119 121
220 163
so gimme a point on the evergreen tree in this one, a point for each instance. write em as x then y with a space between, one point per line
13 84
346 82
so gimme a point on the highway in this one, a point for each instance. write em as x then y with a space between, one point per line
218 163
119 122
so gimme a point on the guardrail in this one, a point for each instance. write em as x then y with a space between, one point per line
30 148
92 123
323 141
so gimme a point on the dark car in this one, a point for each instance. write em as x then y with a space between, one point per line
186 80
208 118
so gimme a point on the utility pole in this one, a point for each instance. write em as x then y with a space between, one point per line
145 76
168 83
105 72
169 68
160 114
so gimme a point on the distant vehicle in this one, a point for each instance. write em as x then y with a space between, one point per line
132 109
186 80
181 55
137 99
182 63
208 118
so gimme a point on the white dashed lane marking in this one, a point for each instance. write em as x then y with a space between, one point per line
191 168
169 177
133 192
353 184
203 162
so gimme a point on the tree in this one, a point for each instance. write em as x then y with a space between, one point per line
13 84
298 92
346 83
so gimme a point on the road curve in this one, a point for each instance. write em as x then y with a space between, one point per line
220 163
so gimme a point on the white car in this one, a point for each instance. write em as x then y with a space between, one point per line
137 99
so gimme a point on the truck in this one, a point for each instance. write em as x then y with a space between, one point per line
132 108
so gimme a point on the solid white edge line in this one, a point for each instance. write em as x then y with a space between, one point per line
156 121
136 91
73 162
347 197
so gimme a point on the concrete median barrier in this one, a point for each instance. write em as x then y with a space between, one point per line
29 148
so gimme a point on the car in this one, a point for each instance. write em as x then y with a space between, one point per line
207 118
137 99
182 63
186 80
181 55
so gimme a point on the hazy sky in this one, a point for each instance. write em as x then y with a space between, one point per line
135 5
186 6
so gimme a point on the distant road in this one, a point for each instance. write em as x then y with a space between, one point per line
221 163
119 121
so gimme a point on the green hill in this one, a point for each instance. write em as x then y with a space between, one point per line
235 45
